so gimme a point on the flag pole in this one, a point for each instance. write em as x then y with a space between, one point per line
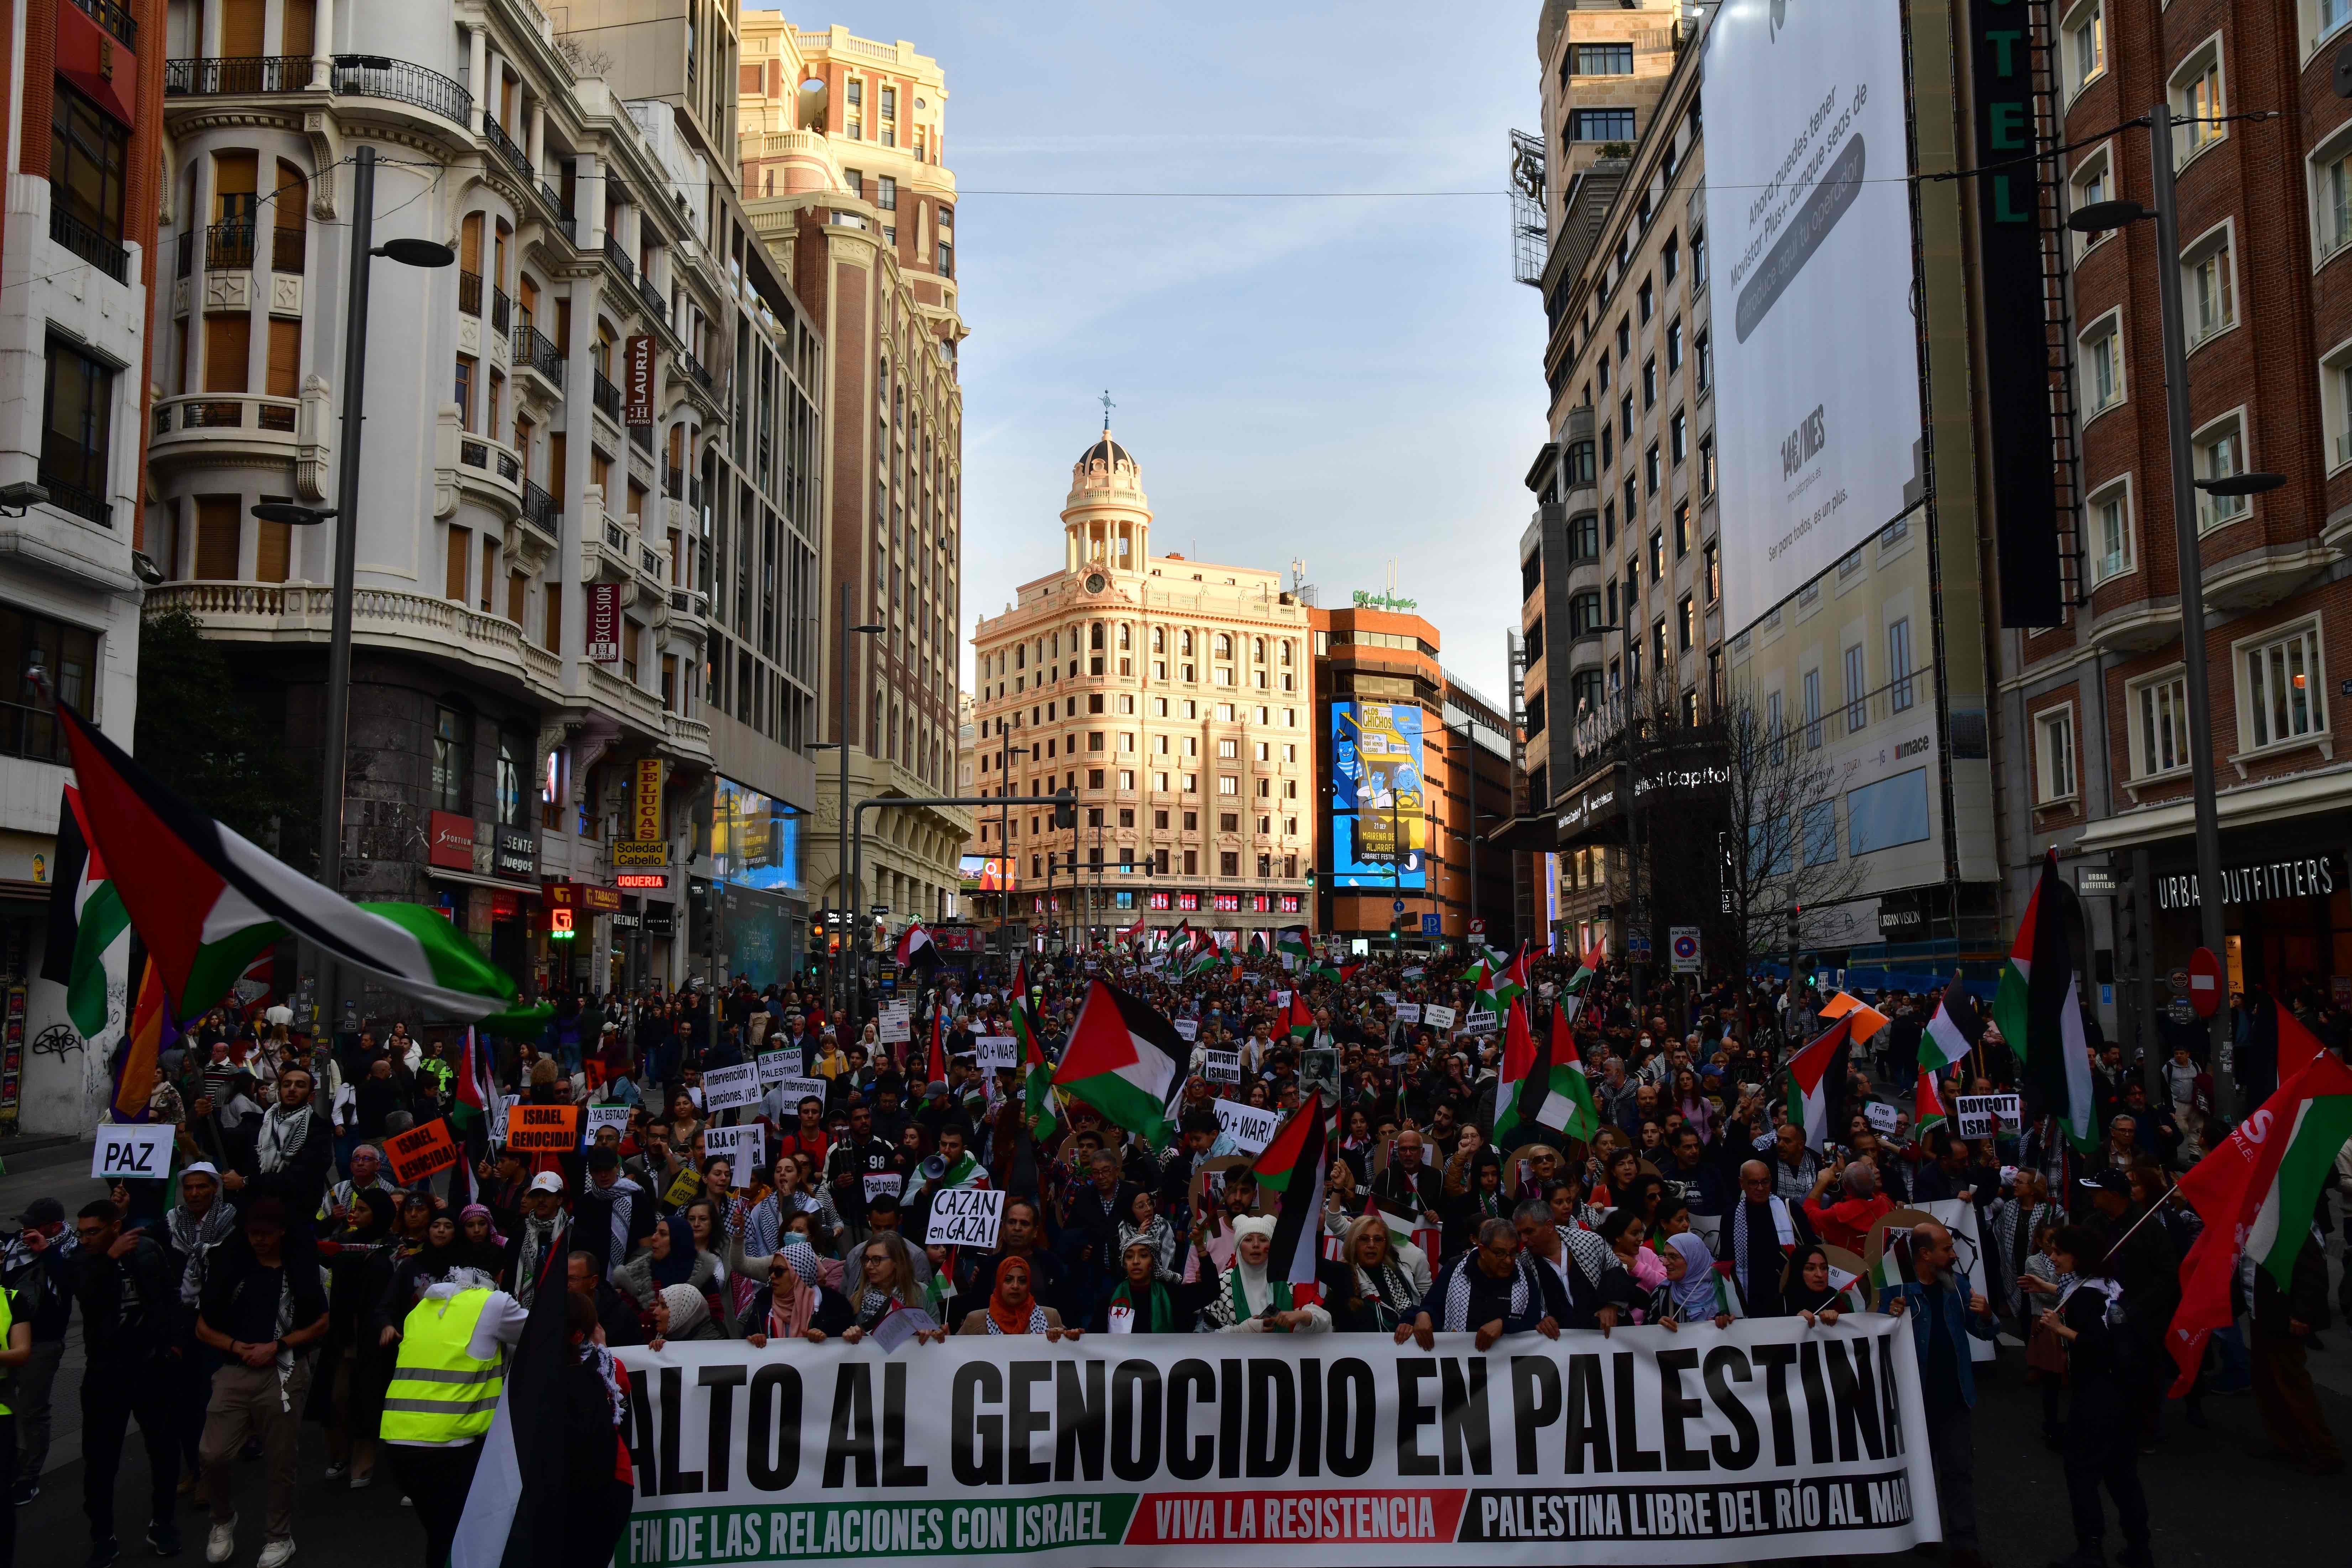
2169 1193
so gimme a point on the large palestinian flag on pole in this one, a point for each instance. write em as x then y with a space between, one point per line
1500 986
2257 1193
1126 1060
1582 1118
1817 1083
1954 1031
89 945
1292 1166
206 902
1525 1083
1293 947
2039 1010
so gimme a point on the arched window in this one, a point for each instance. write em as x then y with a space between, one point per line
1258 652
1160 639
1094 637
1184 644
1124 640
1224 646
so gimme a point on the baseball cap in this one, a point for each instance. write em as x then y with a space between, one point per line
547 1182
42 1211
2107 1181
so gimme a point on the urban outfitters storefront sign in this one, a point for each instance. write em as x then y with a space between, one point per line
2306 876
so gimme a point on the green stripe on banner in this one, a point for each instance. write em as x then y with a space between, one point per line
795 1532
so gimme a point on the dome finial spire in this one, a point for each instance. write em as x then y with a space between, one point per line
1107 407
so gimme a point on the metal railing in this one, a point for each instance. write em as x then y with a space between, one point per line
534 348
88 241
290 249
236 77
619 257
67 496
228 248
500 306
606 396
470 293
658 307
114 18
474 454
697 370
643 435
380 76
356 76
187 261
553 197
503 145
32 732
673 480
509 469
542 509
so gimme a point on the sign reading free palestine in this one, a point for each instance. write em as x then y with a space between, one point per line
1765 1439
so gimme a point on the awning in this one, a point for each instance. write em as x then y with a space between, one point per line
443 874
1535 835
2280 800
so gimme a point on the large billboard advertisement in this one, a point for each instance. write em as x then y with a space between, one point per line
1380 807
1809 216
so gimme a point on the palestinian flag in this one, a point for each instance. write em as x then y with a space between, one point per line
1726 1293
2257 1192
1292 1167
1926 1105
1500 984
1127 1061
1204 956
1258 941
90 932
1043 1107
206 902
1298 1019
1579 1118
1891 1270
916 949
1954 1031
518 1489
1817 1083
1295 950
967 1171
2039 1008
477 1084
1523 1083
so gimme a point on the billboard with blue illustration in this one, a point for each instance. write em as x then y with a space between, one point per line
1379 806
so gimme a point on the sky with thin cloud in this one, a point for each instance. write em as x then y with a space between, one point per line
1347 379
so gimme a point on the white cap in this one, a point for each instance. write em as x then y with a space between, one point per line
547 1182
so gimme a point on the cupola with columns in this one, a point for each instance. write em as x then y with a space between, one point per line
1106 522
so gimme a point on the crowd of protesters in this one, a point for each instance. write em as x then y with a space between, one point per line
288 1275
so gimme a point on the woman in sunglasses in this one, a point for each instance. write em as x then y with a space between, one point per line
793 1305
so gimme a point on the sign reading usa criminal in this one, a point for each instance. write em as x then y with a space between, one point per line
1766 1439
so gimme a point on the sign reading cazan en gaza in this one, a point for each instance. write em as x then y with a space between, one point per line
1768 1439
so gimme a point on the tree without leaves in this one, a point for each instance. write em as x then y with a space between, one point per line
213 747
1781 809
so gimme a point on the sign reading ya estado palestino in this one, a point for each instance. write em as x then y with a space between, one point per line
1766 1439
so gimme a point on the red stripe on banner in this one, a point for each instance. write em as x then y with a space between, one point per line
1164 1519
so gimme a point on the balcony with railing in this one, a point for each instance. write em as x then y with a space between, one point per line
114 18
88 242
206 428
643 435
504 146
673 480
543 510
470 293
618 255
69 496
534 350
350 76
655 306
228 248
421 625
606 396
289 249
500 307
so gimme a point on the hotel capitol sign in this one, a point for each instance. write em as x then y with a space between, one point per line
2302 876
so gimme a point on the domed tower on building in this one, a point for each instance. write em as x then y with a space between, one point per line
1105 521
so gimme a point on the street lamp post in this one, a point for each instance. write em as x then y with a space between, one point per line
2095 218
849 895
336 728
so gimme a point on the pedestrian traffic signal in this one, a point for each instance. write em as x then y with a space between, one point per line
1066 810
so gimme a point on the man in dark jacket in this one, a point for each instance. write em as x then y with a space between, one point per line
33 1264
2147 1266
583 1277
130 1300
1757 1236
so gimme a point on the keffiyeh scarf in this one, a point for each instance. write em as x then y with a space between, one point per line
282 1132
1457 1295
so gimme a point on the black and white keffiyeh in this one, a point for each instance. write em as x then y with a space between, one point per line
1037 1324
1457 1294
282 1135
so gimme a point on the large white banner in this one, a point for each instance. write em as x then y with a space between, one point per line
1766 1439
1808 221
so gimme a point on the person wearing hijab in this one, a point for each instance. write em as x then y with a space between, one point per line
1142 1303
793 1305
479 1242
1014 1308
670 1258
1249 1300
1690 1281
1809 1293
681 1313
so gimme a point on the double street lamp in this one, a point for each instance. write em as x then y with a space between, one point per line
344 513
2098 217
849 895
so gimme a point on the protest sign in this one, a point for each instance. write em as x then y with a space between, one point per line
724 1088
1985 1115
1957 1215
1249 1127
1437 1017
965 1216
1481 1021
499 1116
420 1151
1408 1012
743 1148
133 1152
614 1116
996 1051
777 1065
897 1024
1188 1027
790 1091
1768 1439
1282 998
542 1128
883 1183
1221 1066
1881 1117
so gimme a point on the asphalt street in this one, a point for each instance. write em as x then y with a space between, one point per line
2215 1498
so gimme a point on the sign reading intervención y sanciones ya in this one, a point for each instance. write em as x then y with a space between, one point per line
726 1088
965 1216
1765 1439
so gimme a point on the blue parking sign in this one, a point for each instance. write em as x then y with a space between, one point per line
1429 926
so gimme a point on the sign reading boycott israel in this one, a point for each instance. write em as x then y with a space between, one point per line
1766 1439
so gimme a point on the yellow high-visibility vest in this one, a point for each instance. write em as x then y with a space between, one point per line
7 1327
440 1393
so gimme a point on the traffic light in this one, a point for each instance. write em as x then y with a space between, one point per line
1066 810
